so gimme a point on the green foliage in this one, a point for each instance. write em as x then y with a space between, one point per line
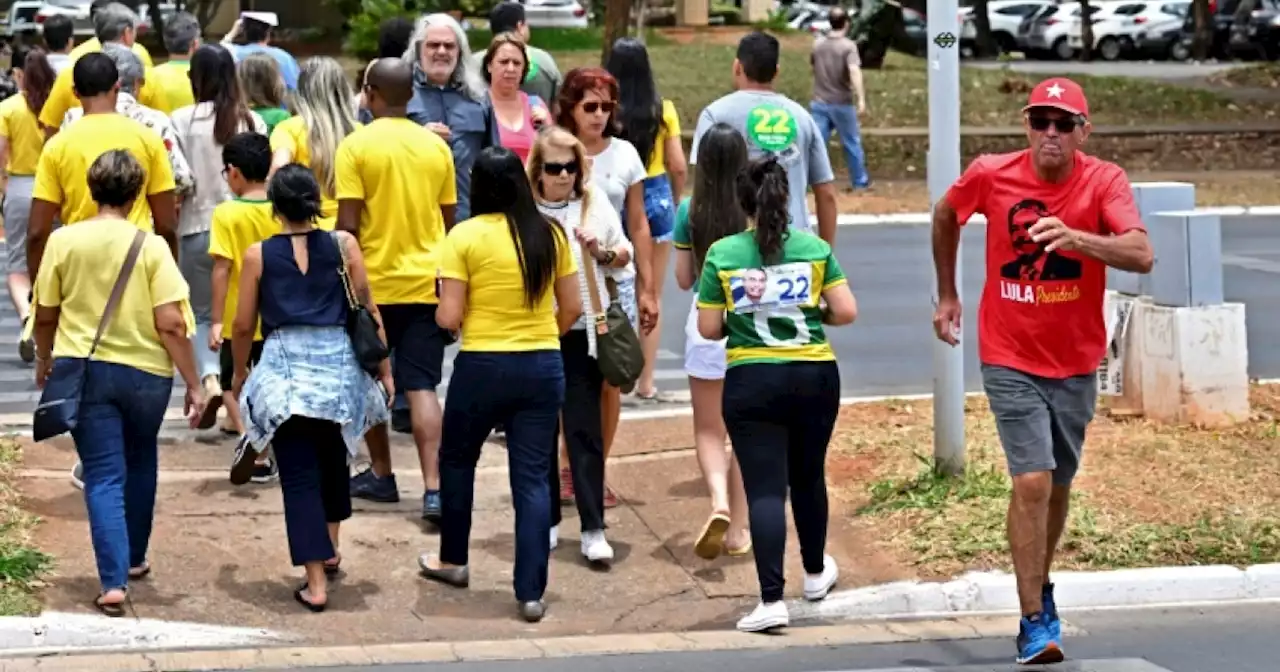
365 21
775 23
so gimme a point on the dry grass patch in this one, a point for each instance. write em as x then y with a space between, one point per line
1148 495
21 563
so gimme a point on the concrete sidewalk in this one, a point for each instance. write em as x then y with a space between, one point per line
220 553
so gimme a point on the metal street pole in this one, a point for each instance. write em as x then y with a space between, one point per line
943 170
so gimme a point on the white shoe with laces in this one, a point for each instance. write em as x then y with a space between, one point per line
817 586
766 617
595 548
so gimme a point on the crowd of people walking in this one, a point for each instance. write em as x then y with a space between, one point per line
302 252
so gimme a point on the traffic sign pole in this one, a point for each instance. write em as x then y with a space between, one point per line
943 170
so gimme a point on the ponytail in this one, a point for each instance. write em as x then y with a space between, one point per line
763 192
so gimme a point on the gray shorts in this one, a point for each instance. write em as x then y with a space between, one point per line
197 269
1041 421
17 212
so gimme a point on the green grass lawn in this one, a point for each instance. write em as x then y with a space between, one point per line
21 564
693 75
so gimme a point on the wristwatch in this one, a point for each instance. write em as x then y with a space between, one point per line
609 257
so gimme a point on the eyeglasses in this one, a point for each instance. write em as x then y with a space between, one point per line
1062 124
597 106
437 46
558 168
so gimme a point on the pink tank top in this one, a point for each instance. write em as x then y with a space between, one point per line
520 141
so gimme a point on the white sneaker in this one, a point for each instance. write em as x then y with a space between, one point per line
555 536
816 586
766 617
596 548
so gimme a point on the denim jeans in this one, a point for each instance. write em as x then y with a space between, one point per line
844 120
522 391
121 410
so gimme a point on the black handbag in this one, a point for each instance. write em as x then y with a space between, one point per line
59 407
361 327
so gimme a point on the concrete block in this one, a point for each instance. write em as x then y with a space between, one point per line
1152 197
1188 249
1128 364
892 599
1263 581
1156 585
996 591
1195 365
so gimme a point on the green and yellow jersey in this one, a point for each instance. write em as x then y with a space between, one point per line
771 310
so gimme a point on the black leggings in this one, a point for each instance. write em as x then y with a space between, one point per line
780 418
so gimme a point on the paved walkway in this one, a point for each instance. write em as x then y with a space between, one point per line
220 554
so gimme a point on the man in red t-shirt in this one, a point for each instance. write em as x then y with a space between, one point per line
1056 218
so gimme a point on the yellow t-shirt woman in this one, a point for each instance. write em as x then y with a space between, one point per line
291 135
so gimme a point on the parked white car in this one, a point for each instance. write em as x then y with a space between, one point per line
555 14
1116 35
20 21
1005 17
1049 31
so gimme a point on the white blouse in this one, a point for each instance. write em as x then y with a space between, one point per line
602 221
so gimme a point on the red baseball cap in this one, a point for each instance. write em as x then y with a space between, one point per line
1059 93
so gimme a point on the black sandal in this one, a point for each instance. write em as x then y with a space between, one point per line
312 606
111 609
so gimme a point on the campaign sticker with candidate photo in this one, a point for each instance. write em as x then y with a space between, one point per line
771 287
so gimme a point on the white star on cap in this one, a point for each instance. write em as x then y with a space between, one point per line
1055 91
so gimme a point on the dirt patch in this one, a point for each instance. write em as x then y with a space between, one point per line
1147 495
21 564
1244 188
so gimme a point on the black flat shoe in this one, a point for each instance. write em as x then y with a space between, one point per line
311 606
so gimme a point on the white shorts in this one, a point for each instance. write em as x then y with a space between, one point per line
703 359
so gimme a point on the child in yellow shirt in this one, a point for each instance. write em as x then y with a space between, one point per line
238 224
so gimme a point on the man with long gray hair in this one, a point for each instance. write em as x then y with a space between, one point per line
450 97
113 23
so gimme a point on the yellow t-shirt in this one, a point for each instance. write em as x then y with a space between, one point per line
172 84
403 173
63 95
669 128
60 177
238 224
291 134
18 125
79 269
480 252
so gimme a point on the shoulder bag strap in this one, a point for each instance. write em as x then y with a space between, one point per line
117 290
342 271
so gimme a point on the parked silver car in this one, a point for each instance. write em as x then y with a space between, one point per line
78 10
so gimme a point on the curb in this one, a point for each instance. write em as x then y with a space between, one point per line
298 657
924 217
995 592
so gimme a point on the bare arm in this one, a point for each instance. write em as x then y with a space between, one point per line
568 302
358 275
349 211
4 160
172 328
686 274
1129 251
946 246
641 240
39 226
824 199
450 215
859 91
677 167
164 211
453 304
221 280
46 327
246 321
841 308
711 323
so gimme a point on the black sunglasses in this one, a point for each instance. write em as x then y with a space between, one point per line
593 106
557 168
1063 124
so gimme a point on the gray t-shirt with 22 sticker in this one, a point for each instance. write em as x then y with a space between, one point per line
773 123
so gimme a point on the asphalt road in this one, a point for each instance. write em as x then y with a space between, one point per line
1168 70
1216 639
889 350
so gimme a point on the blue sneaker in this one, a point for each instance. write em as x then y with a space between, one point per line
370 486
431 507
1051 619
1035 645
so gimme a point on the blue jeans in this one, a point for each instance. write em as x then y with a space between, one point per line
660 208
121 410
522 391
844 119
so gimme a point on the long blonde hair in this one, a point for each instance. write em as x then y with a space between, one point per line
327 106
555 136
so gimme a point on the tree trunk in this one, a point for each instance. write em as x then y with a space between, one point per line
1086 31
1202 41
617 17
984 45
